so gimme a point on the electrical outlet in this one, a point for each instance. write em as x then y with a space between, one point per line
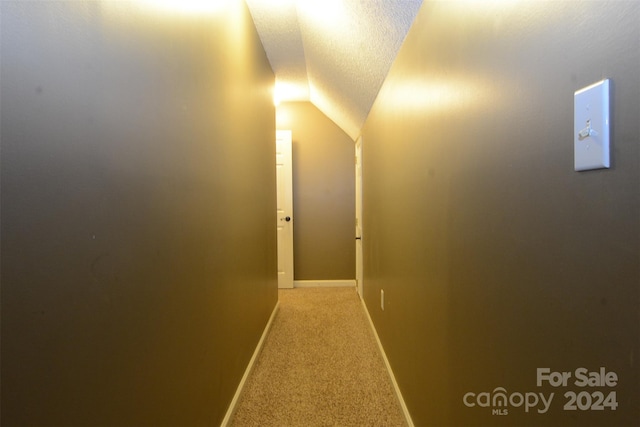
382 299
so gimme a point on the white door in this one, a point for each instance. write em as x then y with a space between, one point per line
359 256
284 215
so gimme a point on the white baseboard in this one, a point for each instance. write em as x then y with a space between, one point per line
405 410
236 397
324 283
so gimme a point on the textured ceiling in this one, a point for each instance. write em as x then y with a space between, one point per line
333 53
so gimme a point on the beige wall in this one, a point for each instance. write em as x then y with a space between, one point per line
138 257
496 258
323 194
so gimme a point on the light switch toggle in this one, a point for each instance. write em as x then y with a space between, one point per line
587 132
591 126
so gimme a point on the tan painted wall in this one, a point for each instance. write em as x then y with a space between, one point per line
138 204
496 258
323 194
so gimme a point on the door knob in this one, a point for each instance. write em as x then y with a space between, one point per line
286 218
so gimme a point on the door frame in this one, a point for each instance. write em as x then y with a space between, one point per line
359 228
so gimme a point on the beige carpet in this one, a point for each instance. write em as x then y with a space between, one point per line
320 366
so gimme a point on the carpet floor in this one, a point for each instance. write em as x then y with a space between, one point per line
320 366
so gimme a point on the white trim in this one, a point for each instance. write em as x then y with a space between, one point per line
405 410
284 208
236 397
324 283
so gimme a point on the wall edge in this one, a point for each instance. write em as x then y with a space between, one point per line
226 421
396 388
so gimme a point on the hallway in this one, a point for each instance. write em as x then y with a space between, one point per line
138 210
320 365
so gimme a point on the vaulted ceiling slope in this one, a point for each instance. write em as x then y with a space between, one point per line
333 53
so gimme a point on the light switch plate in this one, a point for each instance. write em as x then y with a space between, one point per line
591 127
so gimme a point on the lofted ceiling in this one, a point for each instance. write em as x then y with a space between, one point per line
332 53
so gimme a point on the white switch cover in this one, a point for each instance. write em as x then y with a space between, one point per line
591 127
